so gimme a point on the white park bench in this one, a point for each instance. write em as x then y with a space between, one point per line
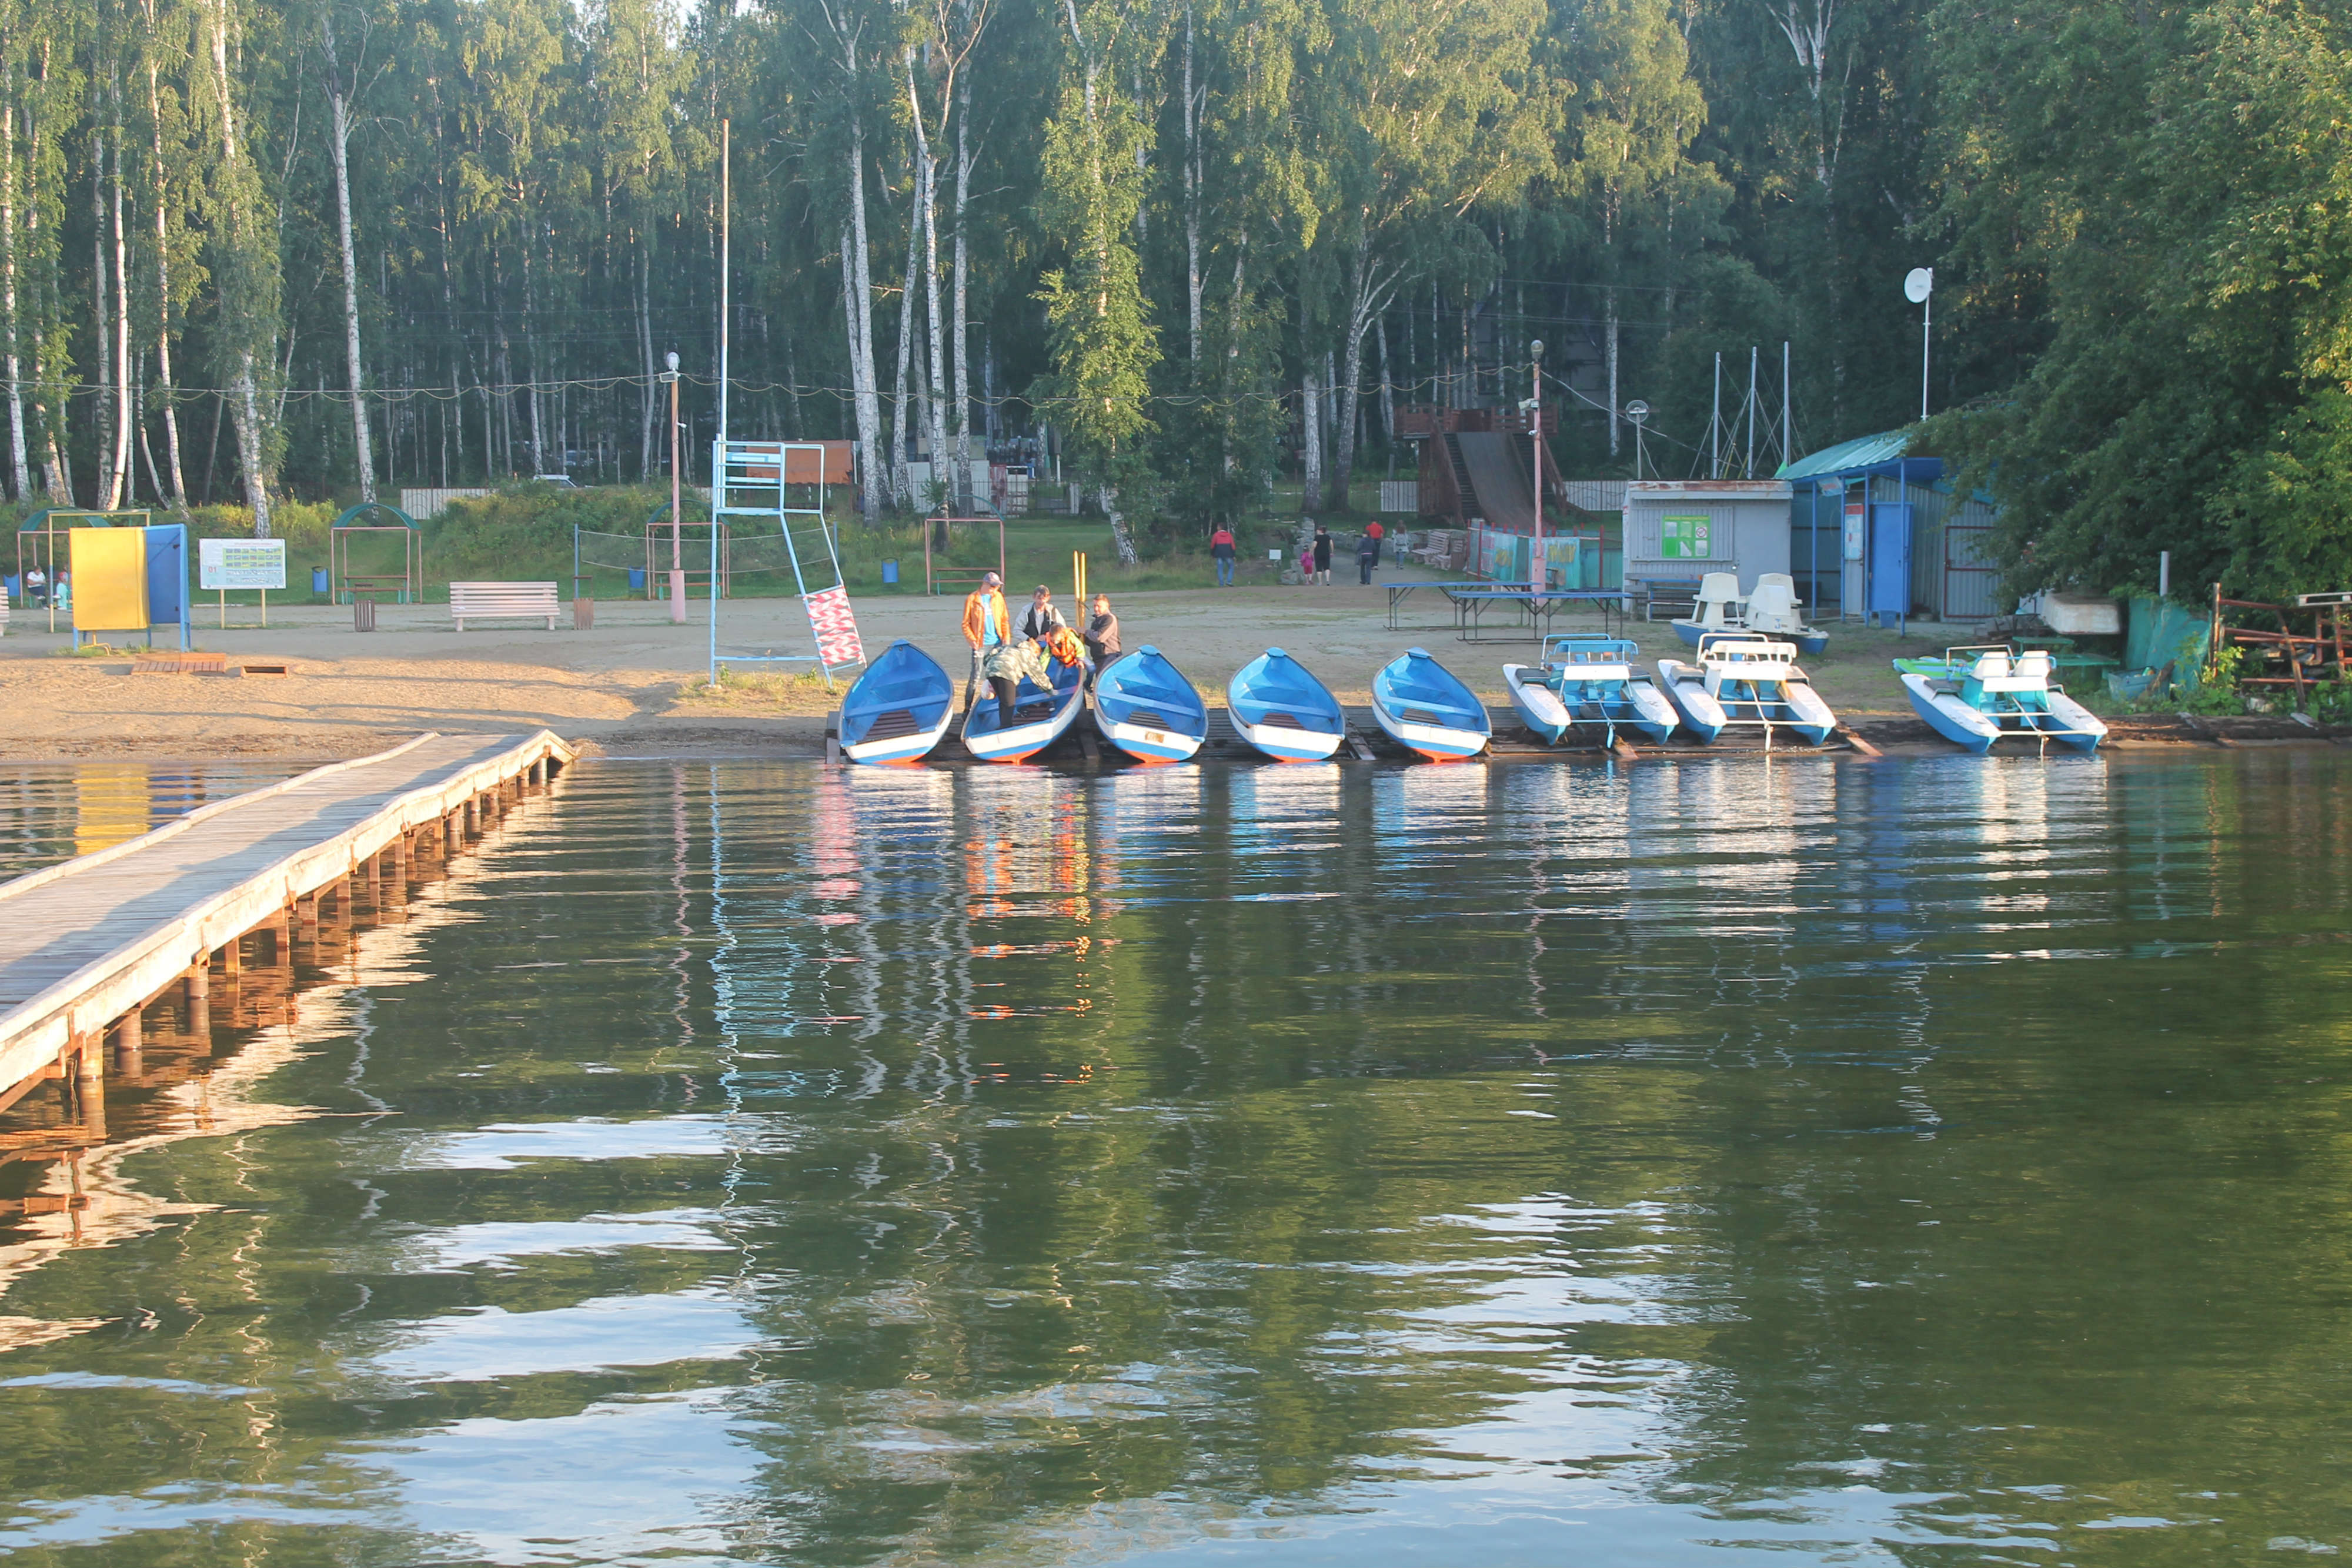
502 601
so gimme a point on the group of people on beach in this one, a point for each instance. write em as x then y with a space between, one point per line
1316 560
1005 651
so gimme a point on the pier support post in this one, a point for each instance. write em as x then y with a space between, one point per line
233 956
196 999
130 1040
89 1067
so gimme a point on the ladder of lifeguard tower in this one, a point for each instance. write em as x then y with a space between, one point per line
755 481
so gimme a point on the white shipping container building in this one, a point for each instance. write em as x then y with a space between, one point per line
1678 530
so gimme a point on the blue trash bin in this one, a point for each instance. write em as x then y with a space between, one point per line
890 573
637 579
318 579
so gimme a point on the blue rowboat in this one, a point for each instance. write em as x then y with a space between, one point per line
1145 707
1590 687
898 708
1423 709
1040 716
1976 697
1743 681
1283 710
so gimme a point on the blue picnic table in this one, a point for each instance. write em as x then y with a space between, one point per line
1472 601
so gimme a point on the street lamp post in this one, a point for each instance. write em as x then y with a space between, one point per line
676 560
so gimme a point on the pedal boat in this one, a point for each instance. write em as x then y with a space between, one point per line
1745 681
1590 687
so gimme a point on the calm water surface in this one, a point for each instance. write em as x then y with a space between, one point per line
52 811
1922 1162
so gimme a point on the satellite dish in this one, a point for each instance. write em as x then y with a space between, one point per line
1919 283
1637 411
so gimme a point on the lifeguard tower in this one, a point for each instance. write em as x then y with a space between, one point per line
774 490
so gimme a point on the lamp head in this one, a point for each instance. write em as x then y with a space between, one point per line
672 359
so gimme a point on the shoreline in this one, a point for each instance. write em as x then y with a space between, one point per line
802 738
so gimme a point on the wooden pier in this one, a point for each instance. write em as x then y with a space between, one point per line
86 946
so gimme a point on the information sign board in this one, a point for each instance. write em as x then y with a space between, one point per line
1685 539
240 564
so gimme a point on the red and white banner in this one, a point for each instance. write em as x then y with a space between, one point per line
835 627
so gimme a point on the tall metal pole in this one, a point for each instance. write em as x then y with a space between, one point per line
725 201
1714 422
1535 565
1927 325
1788 439
719 447
677 565
1750 471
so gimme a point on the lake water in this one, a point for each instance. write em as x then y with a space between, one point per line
1921 1161
52 811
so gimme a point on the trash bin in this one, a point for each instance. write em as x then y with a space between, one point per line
318 579
890 574
362 614
637 580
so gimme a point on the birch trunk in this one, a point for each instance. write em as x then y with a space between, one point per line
177 497
1193 181
901 483
101 309
936 381
244 379
1310 498
537 429
338 143
1343 457
19 467
1120 539
1388 390
646 349
858 286
120 483
964 494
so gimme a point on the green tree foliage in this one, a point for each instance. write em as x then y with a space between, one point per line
1182 248
2165 192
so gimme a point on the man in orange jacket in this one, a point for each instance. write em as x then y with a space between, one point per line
985 626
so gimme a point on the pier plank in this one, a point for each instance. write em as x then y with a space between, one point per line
83 942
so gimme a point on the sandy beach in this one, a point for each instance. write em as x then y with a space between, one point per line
625 686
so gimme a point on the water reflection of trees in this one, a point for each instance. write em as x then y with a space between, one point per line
1105 1155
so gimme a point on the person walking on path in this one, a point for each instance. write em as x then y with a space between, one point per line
1101 636
1323 555
985 626
1221 550
1368 550
1041 619
1377 533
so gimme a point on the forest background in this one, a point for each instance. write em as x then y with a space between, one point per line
259 252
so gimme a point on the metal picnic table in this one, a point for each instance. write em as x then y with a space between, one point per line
1472 600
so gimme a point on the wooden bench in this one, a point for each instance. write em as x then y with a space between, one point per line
502 601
